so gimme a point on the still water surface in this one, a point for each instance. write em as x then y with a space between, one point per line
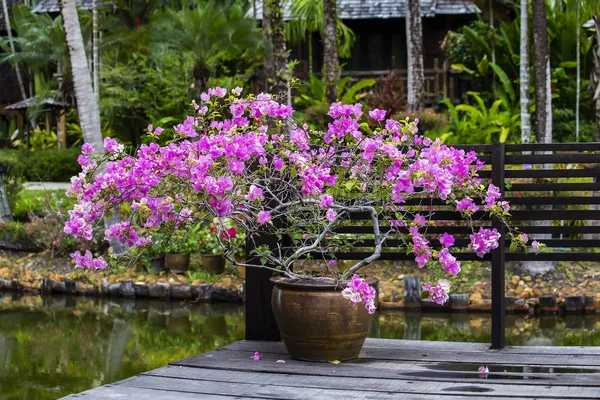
54 346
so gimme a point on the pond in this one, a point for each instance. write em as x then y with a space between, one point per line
54 346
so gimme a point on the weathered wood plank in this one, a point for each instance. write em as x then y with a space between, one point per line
130 393
268 386
394 344
474 358
404 372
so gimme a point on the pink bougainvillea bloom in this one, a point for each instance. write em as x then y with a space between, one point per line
438 293
331 215
447 240
377 114
326 201
358 290
158 131
524 238
535 245
87 148
255 193
483 371
264 217
420 220
237 91
256 356
205 97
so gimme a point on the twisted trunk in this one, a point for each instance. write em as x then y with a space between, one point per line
524 74
330 62
414 45
275 55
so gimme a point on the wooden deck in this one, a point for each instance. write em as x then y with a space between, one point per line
387 369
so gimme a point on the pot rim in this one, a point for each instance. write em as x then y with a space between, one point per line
305 284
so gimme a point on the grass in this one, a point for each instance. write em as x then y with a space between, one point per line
35 201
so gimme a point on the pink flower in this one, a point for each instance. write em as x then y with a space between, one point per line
484 241
358 290
158 131
377 114
438 293
256 356
87 148
205 97
237 91
447 240
420 220
523 238
255 193
264 217
483 371
331 214
277 163
111 145
326 201
535 245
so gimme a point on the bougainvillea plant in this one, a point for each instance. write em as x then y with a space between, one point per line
246 161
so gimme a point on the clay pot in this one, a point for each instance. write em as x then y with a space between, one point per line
157 265
318 324
178 263
213 263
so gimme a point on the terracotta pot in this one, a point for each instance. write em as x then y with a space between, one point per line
157 265
316 323
213 263
178 263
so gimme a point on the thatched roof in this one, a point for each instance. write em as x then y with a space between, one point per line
383 9
47 102
53 6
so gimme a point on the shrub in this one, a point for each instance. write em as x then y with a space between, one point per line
51 165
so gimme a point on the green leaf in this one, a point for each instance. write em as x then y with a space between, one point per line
568 64
335 362
503 134
462 68
483 66
506 83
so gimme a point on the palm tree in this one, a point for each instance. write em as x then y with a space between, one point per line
12 48
331 71
414 42
87 104
524 74
211 32
541 62
308 18
275 55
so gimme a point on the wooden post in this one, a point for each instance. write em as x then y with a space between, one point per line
498 301
445 79
260 321
436 76
63 130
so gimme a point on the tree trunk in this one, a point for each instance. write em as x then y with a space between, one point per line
541 61
330 61
578 88
87 106
524 74
275 55
414 45
12 49
595 86
96 50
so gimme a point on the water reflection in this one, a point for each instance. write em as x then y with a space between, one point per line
571 330
54 346
51 347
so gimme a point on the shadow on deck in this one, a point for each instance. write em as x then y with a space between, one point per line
386 369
